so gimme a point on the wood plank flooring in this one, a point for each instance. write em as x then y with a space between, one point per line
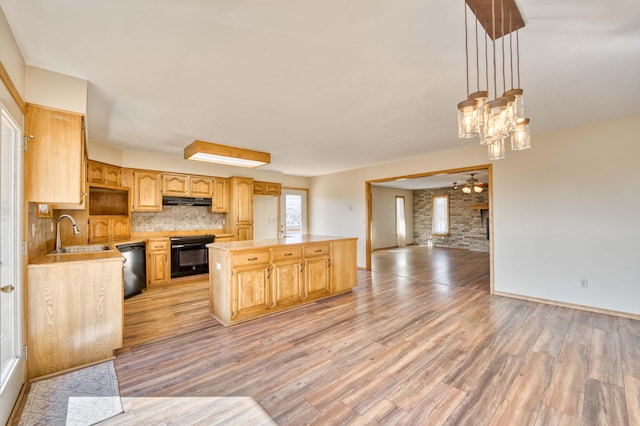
419 341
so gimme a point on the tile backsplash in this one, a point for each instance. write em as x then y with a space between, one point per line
176 218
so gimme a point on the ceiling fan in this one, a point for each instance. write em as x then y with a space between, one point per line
471 185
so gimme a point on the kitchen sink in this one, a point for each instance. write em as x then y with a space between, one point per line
83 249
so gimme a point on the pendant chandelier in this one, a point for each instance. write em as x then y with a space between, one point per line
494 121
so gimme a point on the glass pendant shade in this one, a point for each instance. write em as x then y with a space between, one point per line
495 120
510 113
467 119
496 149
466 189
480 97
477 189
521 137
519 107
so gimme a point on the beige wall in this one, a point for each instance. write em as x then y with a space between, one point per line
563 210
13 62
48 88
383 205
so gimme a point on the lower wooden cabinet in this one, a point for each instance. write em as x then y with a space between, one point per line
317 278
251 279
250 284
287 276
158 261
108 228
75 313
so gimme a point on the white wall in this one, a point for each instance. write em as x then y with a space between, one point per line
564 210
13 63
49 88
383 202
569 211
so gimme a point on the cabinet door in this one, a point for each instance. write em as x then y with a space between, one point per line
219 202
251 291
98 229
95 172
146 192
244 232
287 277
120 228
317 277
112 175
54 157
159 267
344 266
173 184
200 186
244 200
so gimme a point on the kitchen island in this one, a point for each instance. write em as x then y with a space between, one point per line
250 279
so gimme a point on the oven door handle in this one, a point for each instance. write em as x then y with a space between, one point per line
187 245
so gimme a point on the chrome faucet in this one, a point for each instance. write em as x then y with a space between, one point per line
76 231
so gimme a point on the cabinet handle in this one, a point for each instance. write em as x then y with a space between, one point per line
318 251
165 258
251 259
288 254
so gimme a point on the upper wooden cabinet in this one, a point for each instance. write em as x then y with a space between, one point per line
266 188
220 198
54 157
187 185
101 173
147 196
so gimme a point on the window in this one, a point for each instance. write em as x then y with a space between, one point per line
440 215
401 229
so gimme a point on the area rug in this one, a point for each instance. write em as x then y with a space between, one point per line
82 397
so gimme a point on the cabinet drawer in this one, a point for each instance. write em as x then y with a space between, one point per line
316 250
288 253
247 259
158 244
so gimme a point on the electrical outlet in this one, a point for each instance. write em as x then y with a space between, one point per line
584 283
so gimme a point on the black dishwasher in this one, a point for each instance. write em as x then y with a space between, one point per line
135 268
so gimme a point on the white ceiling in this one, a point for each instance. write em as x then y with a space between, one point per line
323 86
436 181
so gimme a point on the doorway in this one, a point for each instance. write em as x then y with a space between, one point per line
441 178
293 212
11 307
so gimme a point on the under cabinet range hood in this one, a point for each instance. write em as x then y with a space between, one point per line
185 201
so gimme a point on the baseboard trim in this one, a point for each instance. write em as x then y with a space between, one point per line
569 305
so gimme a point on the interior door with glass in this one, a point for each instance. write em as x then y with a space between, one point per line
11 362
293 212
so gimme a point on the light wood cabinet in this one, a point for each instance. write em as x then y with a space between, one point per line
200 186
287 276
266 188
102 173
248 279
174 184
147 195
158 261
316 270
240 217
250 284
187 185
75 314
220 199
108 228
55 156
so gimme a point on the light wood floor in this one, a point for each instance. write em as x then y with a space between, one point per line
419 341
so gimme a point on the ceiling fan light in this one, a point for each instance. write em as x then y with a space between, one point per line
477 188
467 119
466 189
521 137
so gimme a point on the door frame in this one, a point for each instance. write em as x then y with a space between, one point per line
18 377
369 211
282 212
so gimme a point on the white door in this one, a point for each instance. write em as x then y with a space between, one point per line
293 212
12 364
265 217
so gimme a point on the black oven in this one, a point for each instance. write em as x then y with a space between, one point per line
189 255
